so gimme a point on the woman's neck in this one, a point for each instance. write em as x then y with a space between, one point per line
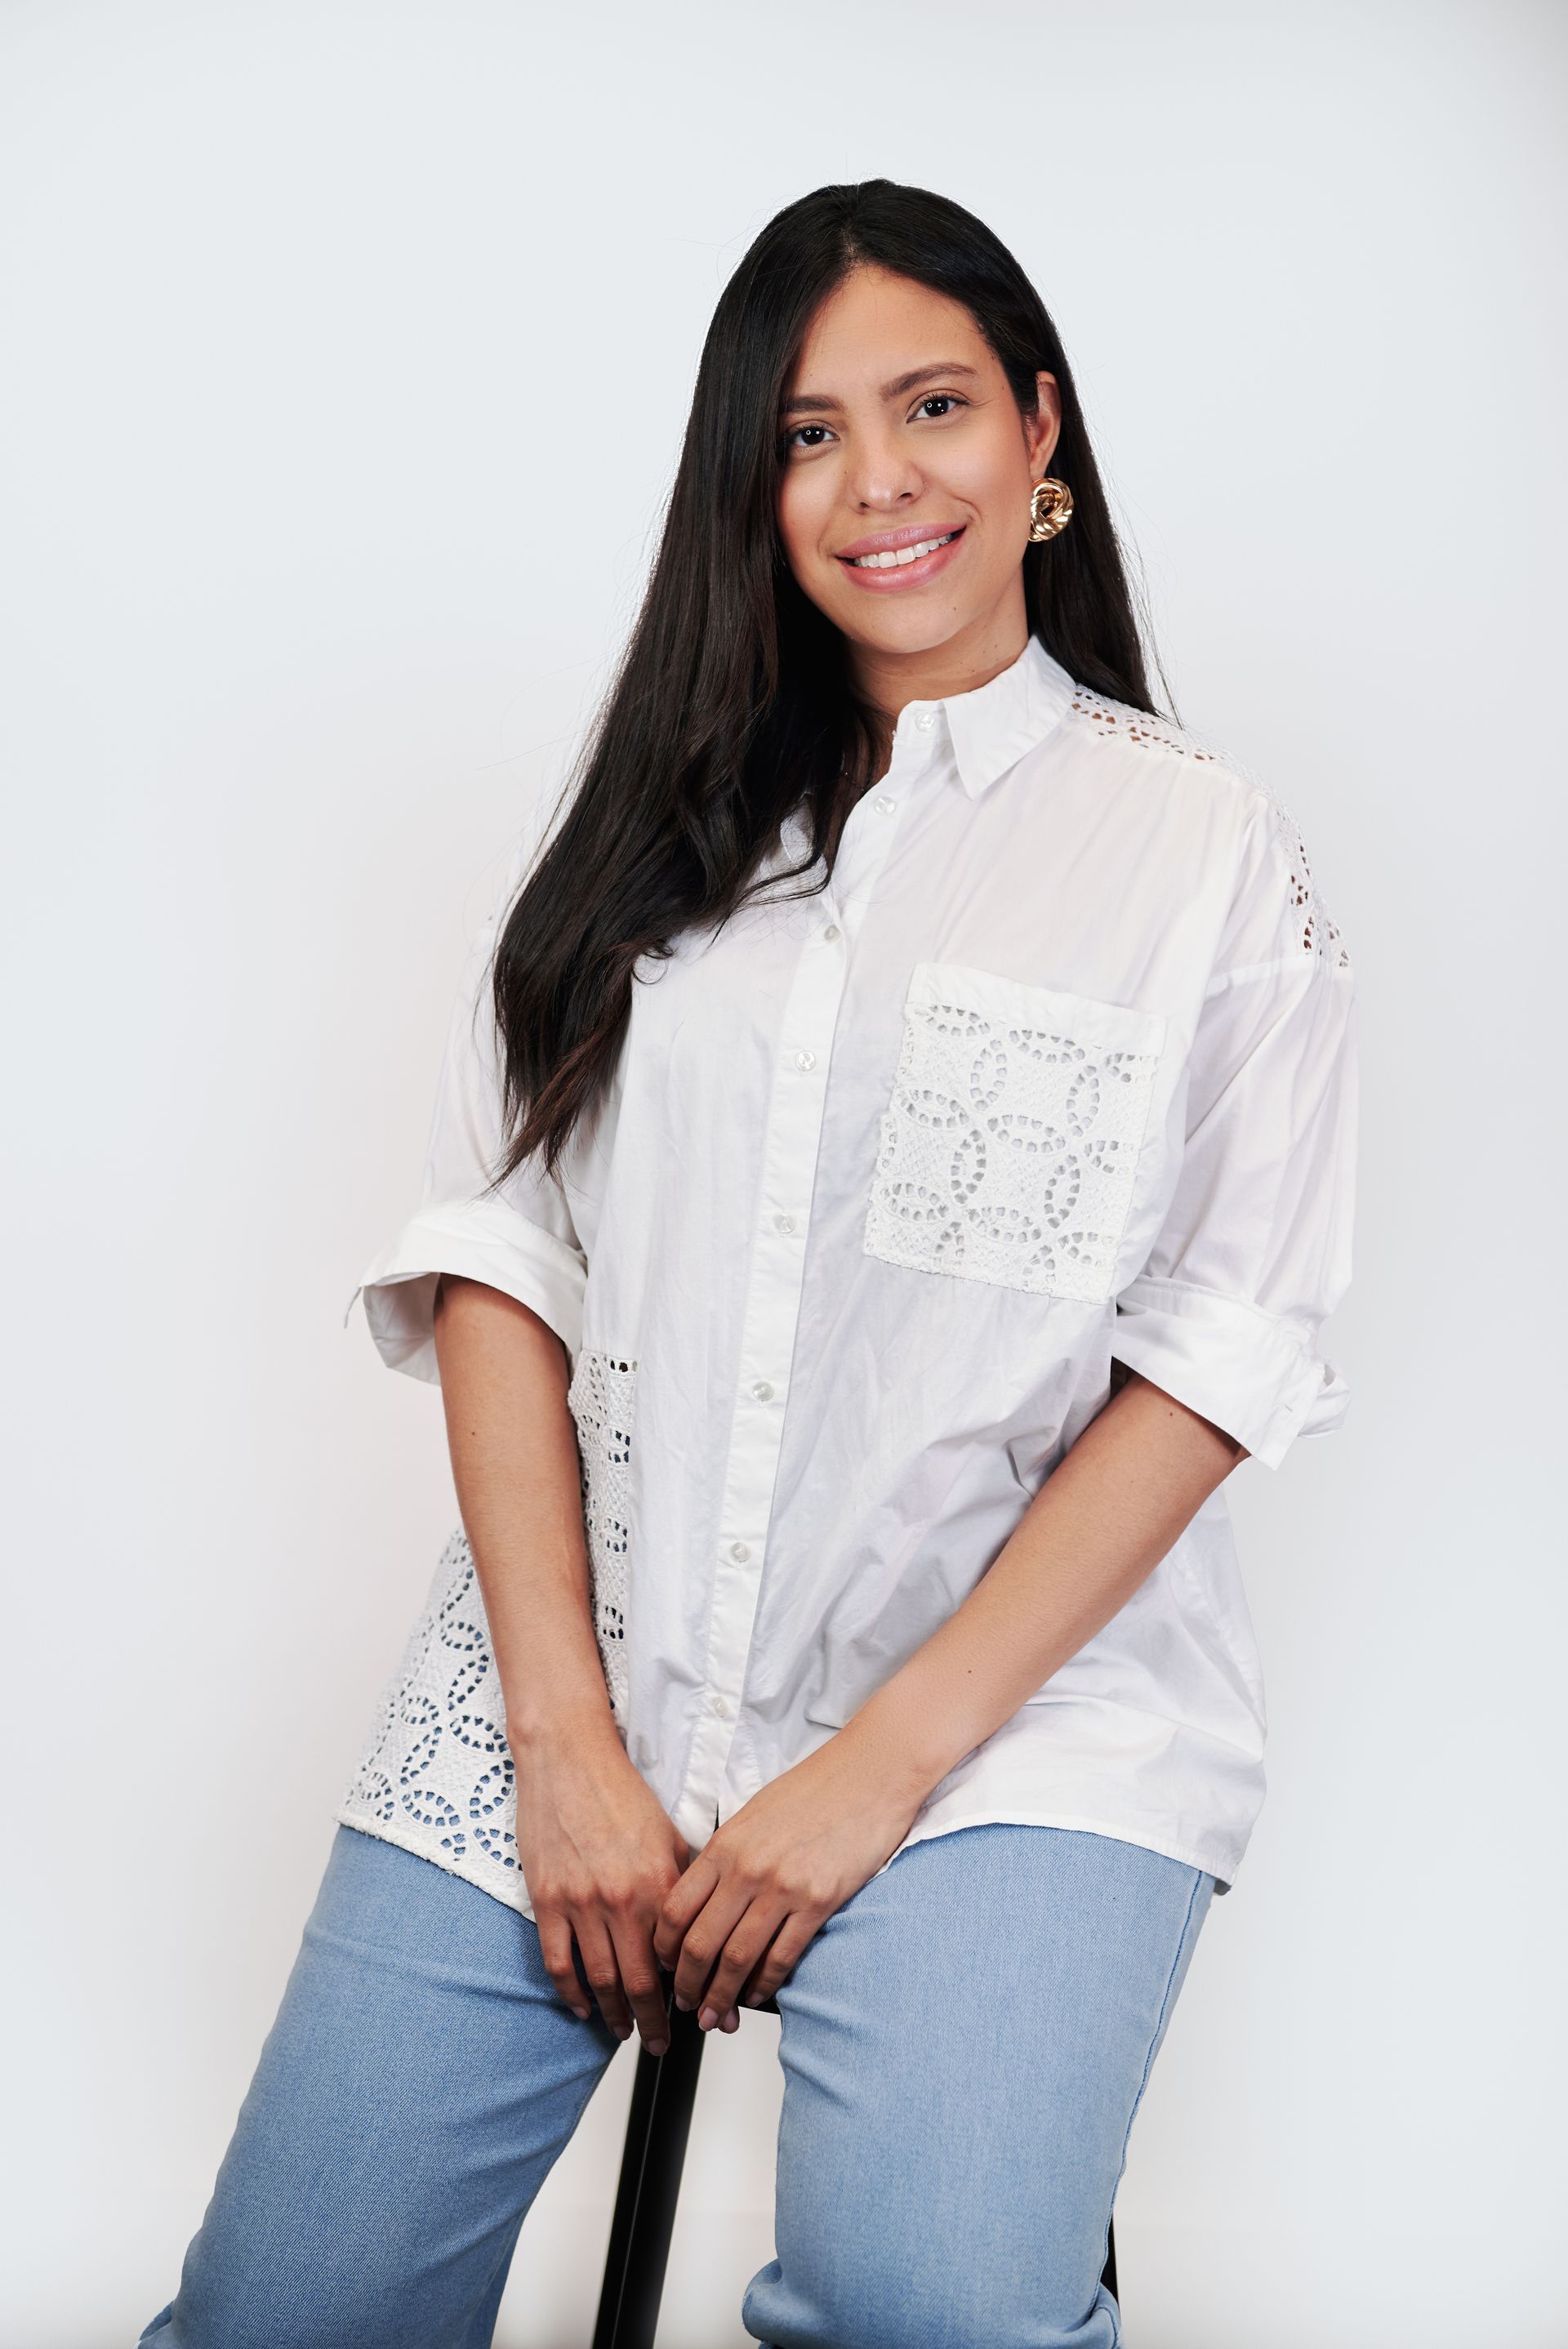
962 664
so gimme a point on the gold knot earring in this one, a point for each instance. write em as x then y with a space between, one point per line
1050 509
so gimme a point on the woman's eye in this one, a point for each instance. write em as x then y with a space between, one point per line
797 437
936 404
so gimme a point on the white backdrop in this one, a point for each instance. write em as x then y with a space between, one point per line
349 346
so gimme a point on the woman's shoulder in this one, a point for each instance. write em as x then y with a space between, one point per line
1214 778
1128 732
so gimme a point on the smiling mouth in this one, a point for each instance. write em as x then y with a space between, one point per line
898 558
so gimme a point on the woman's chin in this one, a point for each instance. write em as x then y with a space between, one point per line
921 626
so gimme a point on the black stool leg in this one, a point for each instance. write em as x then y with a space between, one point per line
1107 2273
662 2095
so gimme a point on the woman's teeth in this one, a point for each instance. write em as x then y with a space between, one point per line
900 554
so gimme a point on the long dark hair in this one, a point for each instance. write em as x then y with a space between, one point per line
733 702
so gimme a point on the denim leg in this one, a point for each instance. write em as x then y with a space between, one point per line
420 2081
964 2045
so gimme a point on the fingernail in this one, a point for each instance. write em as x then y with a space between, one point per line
582 2013
656 2046
706 2019
684 2003
623 2031
732 2020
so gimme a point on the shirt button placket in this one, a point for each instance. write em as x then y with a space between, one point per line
768 1340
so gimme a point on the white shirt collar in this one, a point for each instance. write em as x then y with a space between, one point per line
991 727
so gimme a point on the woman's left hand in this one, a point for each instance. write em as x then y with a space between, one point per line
744 1910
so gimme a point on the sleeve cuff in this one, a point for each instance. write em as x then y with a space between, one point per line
1258 1378
480 1239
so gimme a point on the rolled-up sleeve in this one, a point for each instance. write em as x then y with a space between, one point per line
1255 1249
519 1237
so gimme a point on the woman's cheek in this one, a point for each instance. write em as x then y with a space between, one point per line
802 521
814 573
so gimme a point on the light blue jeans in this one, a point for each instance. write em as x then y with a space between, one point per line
964 2045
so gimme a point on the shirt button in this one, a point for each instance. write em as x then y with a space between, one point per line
762 1391
805 1060
784 1223
831 932
886 805
717 1705
926 721
740 1552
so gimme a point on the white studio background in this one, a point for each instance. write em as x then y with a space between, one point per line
349 345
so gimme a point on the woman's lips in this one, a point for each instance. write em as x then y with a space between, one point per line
883 578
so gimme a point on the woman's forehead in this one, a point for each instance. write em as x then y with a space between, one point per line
875 328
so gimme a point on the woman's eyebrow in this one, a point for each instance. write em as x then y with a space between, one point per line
824 400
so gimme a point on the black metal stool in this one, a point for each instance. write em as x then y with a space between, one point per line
662 2095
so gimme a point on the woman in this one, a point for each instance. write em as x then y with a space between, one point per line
892 1159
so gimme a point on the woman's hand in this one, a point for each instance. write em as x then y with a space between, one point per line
764 1882
598 1855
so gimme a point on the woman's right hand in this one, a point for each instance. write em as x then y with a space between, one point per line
598 1852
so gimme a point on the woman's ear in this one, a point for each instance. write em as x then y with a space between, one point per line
1042 430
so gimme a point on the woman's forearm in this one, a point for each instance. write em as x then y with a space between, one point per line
597 1853
1099 1526
504 1376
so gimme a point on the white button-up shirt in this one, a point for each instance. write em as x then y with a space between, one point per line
1059 1067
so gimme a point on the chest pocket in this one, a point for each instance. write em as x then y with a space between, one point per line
1009 1151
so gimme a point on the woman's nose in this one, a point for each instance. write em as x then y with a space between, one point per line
884 476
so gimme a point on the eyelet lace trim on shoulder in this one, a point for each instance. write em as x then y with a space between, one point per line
1108 717
1317 932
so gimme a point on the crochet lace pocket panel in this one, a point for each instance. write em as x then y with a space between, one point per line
436 1775
602 1398
1009 1149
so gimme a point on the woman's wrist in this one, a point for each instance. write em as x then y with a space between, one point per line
905 1754
575 1721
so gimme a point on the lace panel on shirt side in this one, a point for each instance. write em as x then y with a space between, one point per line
602 1397
1009 1148
1316 932
436 1775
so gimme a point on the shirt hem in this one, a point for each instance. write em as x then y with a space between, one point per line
1223 1871
385 1831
